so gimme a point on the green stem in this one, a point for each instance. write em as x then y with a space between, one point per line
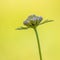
39 47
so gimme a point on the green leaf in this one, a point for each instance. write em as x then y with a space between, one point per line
22 28
46 21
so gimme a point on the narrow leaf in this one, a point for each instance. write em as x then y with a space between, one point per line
46 21
22 28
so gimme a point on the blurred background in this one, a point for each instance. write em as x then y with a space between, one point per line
22 45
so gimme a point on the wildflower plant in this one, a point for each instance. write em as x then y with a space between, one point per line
33 22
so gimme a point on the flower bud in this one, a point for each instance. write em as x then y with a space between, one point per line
39 19
33 21
27 23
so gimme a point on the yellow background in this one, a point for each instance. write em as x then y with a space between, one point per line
22 45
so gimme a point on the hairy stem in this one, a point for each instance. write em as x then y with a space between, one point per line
39 47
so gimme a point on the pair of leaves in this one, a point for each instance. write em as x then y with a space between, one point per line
24 28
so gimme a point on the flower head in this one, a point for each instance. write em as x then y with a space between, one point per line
33 21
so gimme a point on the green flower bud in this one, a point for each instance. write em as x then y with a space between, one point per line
33 21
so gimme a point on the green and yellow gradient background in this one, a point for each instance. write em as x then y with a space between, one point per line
22 45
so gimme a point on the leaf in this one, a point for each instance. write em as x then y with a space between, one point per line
22 28
46 21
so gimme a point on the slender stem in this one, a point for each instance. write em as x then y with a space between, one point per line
39 47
